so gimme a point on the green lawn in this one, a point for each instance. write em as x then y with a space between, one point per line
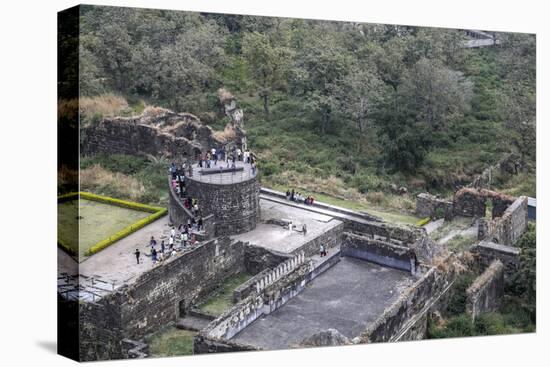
171 342
223 299
97 222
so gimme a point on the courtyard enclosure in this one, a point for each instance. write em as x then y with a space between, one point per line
81 235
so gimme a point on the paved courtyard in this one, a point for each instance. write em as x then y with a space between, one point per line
279 238
117 263
347 297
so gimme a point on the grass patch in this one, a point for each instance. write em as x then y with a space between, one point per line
139 179
223 299
361 205
87 223
460 242
171 342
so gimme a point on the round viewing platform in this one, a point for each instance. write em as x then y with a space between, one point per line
222 173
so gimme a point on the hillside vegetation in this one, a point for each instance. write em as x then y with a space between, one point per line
344 109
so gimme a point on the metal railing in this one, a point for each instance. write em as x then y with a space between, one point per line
222 174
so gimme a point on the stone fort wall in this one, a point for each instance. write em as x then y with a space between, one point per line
161 295
509 227
406 318
486 292
235 206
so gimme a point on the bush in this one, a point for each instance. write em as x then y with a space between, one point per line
457 301
439 212
456 327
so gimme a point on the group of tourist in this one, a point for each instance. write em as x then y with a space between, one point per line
164 251
299 198
213 156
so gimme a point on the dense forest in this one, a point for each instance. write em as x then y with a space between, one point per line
351 110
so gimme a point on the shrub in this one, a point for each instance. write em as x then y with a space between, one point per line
439 212
457 301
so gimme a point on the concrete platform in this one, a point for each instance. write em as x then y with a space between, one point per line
347 297
278 238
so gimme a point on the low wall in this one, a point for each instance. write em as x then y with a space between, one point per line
379 252
388 232
486 252
330 239
428 205
408 313
321 205
487 290
248 287
508 228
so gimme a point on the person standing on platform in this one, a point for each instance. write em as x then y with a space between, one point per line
137 253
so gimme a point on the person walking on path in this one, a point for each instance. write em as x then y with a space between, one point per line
154 256
304 229
290 226
153 242
162 247
137 253
322 250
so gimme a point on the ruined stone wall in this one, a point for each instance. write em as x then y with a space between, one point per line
486 252
236 207
469 203
431 206
410 309
379 252
156 132
101 330
486 292
508 228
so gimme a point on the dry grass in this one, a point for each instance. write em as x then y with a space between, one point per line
99 180
224 95
228 134
67 108
66 176
104 105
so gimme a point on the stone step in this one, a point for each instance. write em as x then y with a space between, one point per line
192 323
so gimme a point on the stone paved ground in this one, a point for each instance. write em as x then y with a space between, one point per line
347 297
117 262
278 238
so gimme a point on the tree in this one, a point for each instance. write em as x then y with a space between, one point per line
267 64
404 141
436 93
320 68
